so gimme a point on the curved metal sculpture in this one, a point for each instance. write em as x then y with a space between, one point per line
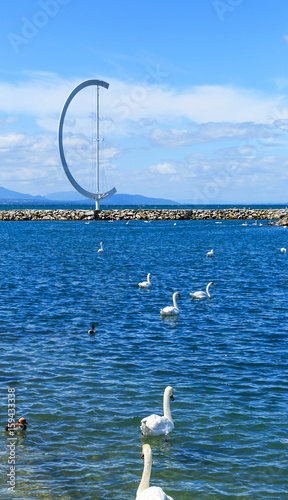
94 196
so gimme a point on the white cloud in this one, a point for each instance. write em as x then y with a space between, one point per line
33 161
239 179
7 121
163 168
211 132
151 120
43 95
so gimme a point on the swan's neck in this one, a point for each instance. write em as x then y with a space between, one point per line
144 483
174 301
101 245
148 278
207 290
166 405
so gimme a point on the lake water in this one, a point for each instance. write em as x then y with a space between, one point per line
84 395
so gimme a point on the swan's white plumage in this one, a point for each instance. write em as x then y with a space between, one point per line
153 493
211 253
146 284
145 492
203 295
283 250
101 249
171 310
154 425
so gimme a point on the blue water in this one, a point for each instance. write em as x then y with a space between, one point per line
84 396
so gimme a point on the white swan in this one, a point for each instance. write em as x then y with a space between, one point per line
101 249
211 253
171 310
283 249
203 295
154 425
145 492
146 284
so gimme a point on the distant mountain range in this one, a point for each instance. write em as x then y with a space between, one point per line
8 195
71 197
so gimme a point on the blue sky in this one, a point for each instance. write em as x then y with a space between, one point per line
196 109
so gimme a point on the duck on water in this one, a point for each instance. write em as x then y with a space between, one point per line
20 426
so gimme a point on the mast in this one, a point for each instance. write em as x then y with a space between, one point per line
97 200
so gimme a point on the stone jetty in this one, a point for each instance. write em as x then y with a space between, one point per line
269 214
283 221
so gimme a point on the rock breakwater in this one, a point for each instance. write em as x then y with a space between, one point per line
146 214
283 220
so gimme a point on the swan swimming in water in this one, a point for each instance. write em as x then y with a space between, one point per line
101 249
203 295
146 284
283 250
211 253
171 310
145 492
154 425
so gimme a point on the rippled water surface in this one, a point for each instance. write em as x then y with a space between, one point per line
84 395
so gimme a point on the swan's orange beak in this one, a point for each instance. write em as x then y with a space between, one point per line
172 398
142 456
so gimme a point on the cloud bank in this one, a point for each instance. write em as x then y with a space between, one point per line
169 142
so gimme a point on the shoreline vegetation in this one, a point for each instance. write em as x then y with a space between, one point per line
270 214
